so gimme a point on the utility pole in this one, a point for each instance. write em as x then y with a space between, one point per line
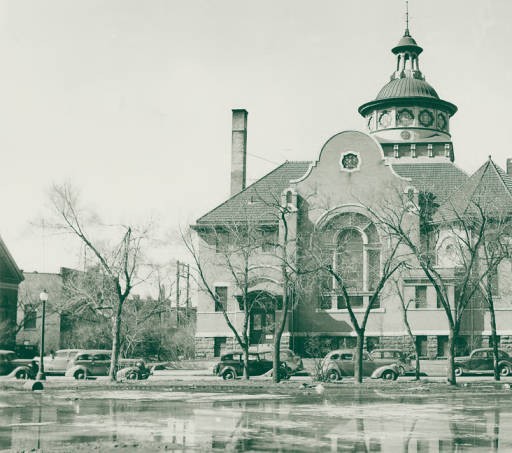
178 273
182 271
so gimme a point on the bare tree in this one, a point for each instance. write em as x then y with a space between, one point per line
419 227
341 273
121 262
234 248
405 307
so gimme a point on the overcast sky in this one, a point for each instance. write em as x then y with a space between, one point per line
131 100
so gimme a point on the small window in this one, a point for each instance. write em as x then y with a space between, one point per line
269 239
335 357
221 241
29 318
289 197
347 356
421 296
221 303
101 357
355 302
84 357
494 282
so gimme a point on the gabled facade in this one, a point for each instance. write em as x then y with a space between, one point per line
407 149
10 278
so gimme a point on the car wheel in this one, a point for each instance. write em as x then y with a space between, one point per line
79 374
333 375
504 370
458 371
21 374
228 375
132 375
389 375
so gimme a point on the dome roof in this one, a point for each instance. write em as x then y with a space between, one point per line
407 87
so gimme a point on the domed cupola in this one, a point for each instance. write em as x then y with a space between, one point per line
408 110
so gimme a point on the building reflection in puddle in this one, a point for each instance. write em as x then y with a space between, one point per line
364 423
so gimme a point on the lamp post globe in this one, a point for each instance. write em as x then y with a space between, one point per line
43 297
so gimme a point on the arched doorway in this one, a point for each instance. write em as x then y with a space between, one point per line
262 317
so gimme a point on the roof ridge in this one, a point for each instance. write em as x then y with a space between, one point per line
243 190
499 170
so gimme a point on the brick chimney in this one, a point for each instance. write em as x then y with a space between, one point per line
238 150
509 166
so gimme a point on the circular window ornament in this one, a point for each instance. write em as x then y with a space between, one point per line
404 117
441 121
350 161
426 118
384 119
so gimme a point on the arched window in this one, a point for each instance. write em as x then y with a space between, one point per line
350 258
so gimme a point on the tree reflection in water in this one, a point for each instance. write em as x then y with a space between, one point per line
356 422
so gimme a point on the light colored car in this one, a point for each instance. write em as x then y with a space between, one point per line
57 363
96 362
287 356
341 362
89 362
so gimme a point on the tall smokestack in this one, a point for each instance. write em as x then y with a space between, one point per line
238 150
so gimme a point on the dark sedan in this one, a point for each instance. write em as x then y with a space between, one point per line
481 361
231 365
13 367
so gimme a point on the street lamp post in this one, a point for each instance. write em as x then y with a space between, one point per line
43 297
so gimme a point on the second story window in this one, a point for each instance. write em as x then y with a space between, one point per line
222 298
420 297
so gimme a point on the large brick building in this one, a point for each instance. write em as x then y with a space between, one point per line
407 147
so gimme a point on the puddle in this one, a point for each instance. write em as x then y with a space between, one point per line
153 421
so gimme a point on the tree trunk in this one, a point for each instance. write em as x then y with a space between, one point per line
358 359
450 371
246 360
417 370
277 358
116 337
494 337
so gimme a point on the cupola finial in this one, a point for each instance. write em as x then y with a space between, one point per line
407 19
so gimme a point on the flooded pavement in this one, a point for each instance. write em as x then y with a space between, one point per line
351 420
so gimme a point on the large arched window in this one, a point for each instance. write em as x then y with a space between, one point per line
349 259
352 242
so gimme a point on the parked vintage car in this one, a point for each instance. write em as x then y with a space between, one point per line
339 363
401 358
57 363
481 361
231 365
96 362
286 356
11 366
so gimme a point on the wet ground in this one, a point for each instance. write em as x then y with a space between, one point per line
357 420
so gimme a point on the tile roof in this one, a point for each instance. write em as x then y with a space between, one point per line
489 187
257 201
440 178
